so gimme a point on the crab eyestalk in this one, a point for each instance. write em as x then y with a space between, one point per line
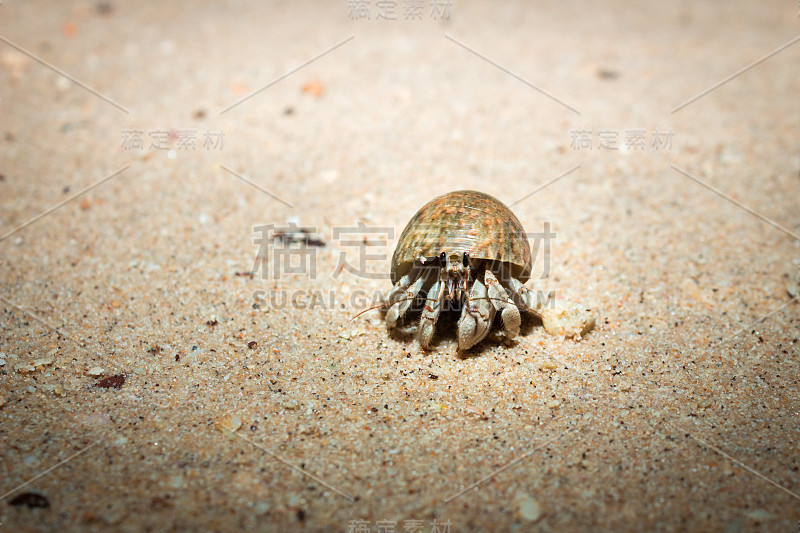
455 275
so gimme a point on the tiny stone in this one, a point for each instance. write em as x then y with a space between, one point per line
24 367
549 366
567 319
291 404
760 515
229 423
529 509
553 404
111 382
262 507
104 8
96 371
793 289
43 361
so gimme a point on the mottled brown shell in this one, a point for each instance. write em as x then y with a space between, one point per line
464 221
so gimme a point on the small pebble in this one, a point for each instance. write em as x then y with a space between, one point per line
262 507
228 423
529 509
290 404
104 8
760 515
44 361
550 366
607 74
24 367
567 319
96 371
793 289
111 382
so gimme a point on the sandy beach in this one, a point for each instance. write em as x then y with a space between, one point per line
196 200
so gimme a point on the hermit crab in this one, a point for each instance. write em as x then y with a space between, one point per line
466 250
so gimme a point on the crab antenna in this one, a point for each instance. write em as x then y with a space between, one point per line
372 308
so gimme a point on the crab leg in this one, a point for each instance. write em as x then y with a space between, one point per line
498 297
400 303
430 314
523 297
398 290
476 317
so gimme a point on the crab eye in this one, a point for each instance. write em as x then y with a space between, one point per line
443 258
466 259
